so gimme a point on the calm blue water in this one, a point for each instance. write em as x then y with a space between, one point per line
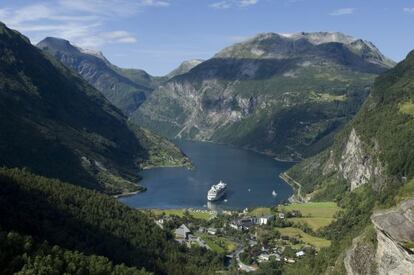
240 169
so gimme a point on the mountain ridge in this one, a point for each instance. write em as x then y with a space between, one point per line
270 94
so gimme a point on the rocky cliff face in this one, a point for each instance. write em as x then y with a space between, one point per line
283 95
395 234
393 253
356 165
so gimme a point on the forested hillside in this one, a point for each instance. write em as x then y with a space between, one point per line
93 224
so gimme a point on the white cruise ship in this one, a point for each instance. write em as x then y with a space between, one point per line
217 191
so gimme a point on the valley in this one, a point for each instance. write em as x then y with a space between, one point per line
254 142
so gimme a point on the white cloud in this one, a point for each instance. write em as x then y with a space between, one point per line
95 41
111 7
221 5
409 10
155 3
82 22
245 3
344 11
226 4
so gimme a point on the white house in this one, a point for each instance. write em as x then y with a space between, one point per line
266 219
300 253
212 231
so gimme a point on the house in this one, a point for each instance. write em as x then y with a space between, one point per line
235 225
264 257
160 223
182 232
266 219
202 229
300 253
212 231
281 215
243 223
289 260
252 243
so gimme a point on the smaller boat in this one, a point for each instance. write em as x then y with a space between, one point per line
225 200
248 189
274 194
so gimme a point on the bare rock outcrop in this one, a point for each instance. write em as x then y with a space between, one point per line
356 166
395 231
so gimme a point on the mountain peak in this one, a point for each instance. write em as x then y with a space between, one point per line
57 44
185 67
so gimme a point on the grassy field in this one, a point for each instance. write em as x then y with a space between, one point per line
197 214
407 108
314 223
219 244
313 209
315 214
317 242
260 211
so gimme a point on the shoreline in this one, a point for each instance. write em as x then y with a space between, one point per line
297 196
270 155
128 194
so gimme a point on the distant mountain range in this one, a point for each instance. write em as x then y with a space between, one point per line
285 95
56 124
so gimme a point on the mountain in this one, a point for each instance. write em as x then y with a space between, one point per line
369 171
285 95
127 89
184 67
51 227
56 124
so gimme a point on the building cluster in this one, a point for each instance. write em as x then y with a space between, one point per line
184 235
245 223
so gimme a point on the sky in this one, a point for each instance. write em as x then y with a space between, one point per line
157 35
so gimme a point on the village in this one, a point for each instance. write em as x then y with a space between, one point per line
252 237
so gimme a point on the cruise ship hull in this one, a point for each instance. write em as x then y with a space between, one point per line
217 191
216 197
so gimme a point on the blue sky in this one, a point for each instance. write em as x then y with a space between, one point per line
157 35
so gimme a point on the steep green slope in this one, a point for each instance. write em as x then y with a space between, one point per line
283 95
369 168
23 255
378 146
94 224
126 89
57 125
